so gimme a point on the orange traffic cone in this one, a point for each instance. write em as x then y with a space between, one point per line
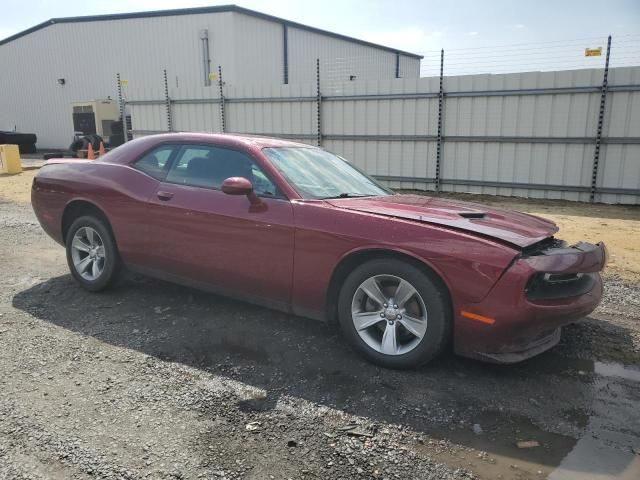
102 150
90 154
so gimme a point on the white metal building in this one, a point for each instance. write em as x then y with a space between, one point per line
51 66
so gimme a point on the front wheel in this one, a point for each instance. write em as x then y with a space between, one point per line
394 314
92 254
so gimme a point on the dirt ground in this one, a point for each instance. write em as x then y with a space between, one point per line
156 381
17 188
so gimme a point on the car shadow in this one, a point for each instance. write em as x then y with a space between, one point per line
284 354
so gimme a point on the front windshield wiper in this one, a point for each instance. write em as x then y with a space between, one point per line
347 195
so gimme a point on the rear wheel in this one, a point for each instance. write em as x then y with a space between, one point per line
92 254
394 314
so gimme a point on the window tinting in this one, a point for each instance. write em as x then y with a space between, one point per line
209 167
154 163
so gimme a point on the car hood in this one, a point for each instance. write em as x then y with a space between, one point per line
508 226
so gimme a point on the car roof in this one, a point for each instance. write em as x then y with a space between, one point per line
230 139
250 143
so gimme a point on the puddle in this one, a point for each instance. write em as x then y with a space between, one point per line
577 416
616 370
495 454
552 363
590 459
594 457
560 365
604 452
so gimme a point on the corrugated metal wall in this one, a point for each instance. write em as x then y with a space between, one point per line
89 54
341 60
621 163
349 122
525 134
535 115
258 51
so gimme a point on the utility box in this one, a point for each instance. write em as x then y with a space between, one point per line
10 159
95 117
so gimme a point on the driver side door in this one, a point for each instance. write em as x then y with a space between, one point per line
208 237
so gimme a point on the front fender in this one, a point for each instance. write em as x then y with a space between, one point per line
468 265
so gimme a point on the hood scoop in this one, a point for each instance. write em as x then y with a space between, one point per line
472 215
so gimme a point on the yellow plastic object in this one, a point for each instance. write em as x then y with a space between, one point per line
10 159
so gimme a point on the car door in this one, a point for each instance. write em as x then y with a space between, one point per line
207 236
129 213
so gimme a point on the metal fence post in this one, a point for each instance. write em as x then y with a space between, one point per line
318 104
603 102
440 139
285 52
167 103
222 106
122 110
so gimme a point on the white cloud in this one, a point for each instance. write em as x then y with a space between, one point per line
518 26
472 34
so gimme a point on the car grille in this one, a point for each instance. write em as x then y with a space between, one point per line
546 286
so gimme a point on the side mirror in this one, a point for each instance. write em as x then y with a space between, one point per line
240 186
237 186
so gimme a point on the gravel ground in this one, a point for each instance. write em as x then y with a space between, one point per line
152 380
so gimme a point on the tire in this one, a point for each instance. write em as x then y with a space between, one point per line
95 141
106 259
16 138
429 301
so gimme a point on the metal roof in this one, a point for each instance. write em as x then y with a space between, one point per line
196 11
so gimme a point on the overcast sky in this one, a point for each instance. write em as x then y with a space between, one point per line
413 25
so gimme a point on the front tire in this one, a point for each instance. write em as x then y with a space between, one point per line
92 255
394 314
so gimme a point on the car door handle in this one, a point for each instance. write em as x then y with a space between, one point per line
165 196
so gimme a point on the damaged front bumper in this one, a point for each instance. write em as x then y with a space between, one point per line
546 287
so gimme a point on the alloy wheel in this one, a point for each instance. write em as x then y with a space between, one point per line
88 253
389 314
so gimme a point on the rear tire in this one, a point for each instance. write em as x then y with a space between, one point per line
403 332
92 254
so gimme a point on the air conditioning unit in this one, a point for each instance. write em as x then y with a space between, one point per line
95 117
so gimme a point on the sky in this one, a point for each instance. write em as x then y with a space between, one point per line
518 31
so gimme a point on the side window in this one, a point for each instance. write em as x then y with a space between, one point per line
155 162
208 167
261 184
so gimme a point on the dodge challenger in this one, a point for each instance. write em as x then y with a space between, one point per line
298 229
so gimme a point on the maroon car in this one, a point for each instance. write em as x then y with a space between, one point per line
295 228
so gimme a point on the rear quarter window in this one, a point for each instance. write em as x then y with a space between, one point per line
156 162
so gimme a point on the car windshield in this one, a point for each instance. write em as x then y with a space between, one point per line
318 174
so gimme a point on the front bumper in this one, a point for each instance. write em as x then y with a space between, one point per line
539 293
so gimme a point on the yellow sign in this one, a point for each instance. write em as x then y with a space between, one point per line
213 76
593 52
124 83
